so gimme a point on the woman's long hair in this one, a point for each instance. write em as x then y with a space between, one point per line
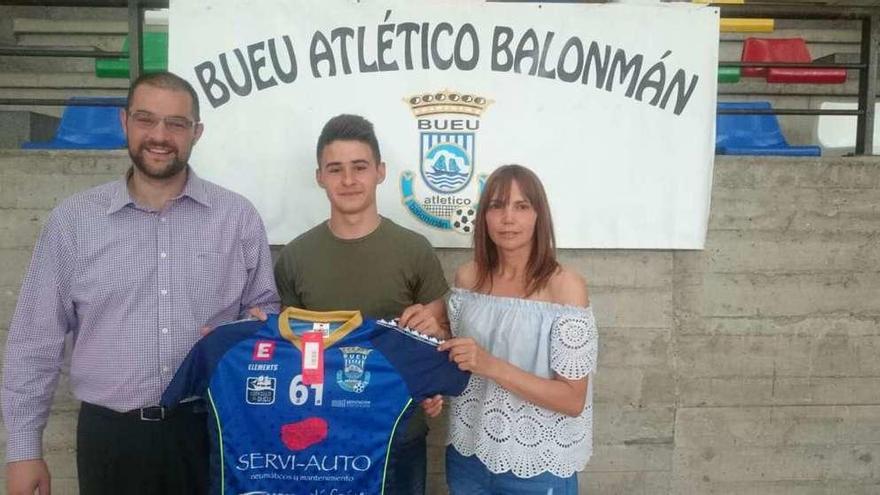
542 262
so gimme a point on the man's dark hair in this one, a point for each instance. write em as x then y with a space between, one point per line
347 127
166 80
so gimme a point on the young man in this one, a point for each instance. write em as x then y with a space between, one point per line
132 269
360 260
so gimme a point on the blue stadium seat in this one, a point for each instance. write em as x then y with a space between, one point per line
754 134
87 127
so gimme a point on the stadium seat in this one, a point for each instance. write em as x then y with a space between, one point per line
728 74
85 127
838 132
731 25
155 53
754 134
786 50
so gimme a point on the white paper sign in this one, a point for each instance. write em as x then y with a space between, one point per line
613 106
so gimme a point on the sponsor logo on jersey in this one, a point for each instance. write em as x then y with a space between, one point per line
314 463
358 404
264 350
260 390
263 367
354 377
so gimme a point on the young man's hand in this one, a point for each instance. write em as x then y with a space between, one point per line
433 406
429 319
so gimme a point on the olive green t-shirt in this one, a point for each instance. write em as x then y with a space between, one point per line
379 274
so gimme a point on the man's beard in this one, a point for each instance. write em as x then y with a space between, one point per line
170 170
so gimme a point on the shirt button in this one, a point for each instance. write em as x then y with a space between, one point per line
162 219
164 330
163 255
163 292
164 369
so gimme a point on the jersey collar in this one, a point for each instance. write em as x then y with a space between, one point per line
350 320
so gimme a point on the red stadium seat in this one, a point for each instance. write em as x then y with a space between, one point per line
786 50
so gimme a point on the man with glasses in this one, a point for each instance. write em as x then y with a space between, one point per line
131 270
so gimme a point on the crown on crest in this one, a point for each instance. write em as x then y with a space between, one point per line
446 101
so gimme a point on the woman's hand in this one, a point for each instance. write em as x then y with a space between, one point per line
469 356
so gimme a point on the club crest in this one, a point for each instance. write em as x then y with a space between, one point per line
443 194
354 377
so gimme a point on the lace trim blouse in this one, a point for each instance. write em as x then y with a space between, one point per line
508 433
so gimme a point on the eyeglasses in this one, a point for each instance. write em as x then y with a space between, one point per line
174 125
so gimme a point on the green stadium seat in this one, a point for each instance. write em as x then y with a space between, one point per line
155 53
727 74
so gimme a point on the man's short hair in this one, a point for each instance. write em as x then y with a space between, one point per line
166 80
347 127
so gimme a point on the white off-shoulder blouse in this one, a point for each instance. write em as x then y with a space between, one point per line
508 433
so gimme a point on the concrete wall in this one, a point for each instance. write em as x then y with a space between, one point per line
750 367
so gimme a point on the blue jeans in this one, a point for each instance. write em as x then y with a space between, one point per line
469 476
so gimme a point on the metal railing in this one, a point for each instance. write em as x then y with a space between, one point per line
135 37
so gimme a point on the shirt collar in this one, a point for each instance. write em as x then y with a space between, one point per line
194 189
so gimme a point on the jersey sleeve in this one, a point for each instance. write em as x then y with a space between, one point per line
574 343
426 371
194 375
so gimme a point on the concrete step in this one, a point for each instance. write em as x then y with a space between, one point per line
17 127
23 26
58 80
57 85
46 64
106 35
848 33
103 34
111 42
48 93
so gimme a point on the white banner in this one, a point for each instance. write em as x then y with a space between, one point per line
613 106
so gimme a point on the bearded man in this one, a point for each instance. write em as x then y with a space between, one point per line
131 271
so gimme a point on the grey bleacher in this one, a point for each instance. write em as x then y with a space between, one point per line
835 40
54 77
105 28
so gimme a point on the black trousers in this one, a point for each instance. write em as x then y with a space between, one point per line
121 454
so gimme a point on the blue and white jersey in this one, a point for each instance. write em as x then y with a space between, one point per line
271 433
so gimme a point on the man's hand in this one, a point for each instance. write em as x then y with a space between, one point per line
27 477
254 312
257 313
433 406
422 318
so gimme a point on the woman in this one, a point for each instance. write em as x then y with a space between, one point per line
524 328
